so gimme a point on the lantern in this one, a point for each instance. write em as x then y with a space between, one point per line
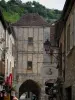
47 45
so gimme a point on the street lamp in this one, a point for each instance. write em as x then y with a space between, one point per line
48 48
47 45
50 51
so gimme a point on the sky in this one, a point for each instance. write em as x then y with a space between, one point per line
52 4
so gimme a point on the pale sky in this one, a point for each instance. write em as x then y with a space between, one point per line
52 4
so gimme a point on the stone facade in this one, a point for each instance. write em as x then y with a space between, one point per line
9 57
67 38
7 40
70 55
2 44
41 70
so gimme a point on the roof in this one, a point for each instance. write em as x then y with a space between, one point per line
61 22
67 8
2 20
10 29
31 19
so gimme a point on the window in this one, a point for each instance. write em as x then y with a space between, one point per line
68 38
29 65
30 40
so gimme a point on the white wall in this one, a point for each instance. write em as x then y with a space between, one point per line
9 58
2 36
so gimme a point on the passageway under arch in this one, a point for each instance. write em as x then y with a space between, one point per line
30 86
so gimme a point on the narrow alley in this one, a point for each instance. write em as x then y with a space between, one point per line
37 51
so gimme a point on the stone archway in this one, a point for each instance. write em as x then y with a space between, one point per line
32 86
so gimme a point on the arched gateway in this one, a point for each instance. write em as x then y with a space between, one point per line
30 86
32 62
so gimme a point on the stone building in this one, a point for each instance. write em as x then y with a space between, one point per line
2 44
67 39
60 41
7 41
9 53
33 66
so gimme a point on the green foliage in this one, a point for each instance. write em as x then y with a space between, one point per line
11 16
13 10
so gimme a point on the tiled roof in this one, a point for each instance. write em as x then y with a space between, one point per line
31 19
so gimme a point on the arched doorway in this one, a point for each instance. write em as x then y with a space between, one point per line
30 86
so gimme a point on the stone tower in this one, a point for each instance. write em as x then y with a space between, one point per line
33 66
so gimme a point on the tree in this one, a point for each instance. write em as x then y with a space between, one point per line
11 2
13 9
3 4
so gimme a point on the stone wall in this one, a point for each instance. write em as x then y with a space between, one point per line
36 53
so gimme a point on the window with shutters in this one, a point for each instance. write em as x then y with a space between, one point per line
68 38
29 65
